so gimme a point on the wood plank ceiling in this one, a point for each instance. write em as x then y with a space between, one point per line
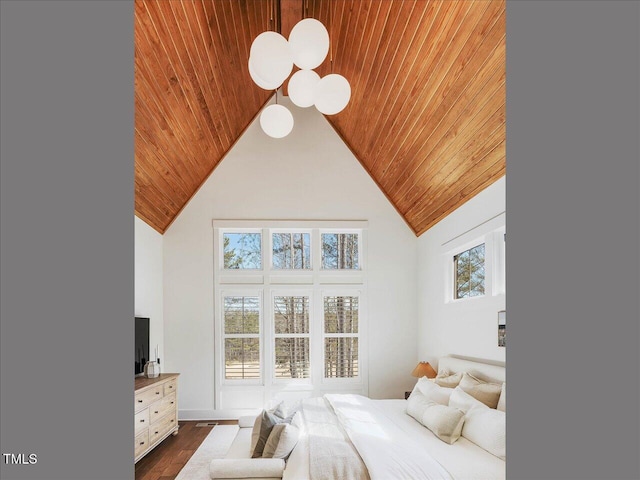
426 117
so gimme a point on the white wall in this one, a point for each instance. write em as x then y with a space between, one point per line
309 175
465 327
148 282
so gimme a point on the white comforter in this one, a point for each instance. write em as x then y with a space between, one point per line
348 437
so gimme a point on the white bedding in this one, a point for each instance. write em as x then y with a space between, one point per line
463 460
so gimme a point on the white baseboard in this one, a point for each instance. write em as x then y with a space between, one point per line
225 414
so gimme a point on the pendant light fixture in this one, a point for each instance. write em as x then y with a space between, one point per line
271 61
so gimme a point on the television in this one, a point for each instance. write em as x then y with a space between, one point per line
141 344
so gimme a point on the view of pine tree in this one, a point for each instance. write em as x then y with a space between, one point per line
242 250
242 354
341 353
291 250
291 317
340 251
469 268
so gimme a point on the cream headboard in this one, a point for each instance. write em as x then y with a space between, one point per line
484 371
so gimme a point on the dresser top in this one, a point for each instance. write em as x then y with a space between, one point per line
144 382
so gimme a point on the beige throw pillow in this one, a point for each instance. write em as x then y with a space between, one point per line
282 439
502 401
262 428
487 393
444 421
449 380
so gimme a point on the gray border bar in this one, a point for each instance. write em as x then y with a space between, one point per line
67 239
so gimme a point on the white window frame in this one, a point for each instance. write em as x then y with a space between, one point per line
223 336
269 282
490 233
342 292
273 335
287 271
361 266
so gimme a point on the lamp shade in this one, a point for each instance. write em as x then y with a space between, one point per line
270 58
276 121
424 369
302 87
261 82
332 94
309 42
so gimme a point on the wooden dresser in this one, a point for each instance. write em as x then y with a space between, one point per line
156 411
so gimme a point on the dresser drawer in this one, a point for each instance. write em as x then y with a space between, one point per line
161 408
141 420
144 399
161 427
141 443
170 386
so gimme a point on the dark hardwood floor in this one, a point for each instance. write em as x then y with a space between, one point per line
166 460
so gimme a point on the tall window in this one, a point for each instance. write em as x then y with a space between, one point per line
341 337
242 337
290 297
469 272
291 331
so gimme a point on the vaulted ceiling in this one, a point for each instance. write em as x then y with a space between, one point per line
426 117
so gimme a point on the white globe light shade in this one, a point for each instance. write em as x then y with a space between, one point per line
271 58
276 121
332 94
261 82
302 87
309 42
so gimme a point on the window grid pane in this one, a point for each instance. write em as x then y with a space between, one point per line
341 357
242 358
341 314
291 315
470 272
241 315
340 251
292 357
242 250
291 251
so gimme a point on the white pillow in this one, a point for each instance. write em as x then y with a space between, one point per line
445 422
282 439
434 392
502 402
484 426
416 404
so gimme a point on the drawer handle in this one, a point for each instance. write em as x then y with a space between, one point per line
141 443
156 432
155 411
139 401
171 403
142 421
170 386
157 393
172 420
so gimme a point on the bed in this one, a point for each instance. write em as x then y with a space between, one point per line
354 437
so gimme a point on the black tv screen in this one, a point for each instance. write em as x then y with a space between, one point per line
141 344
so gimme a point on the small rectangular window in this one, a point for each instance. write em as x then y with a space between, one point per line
242 337
340 251
242 251
291 251
469 271
341 336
